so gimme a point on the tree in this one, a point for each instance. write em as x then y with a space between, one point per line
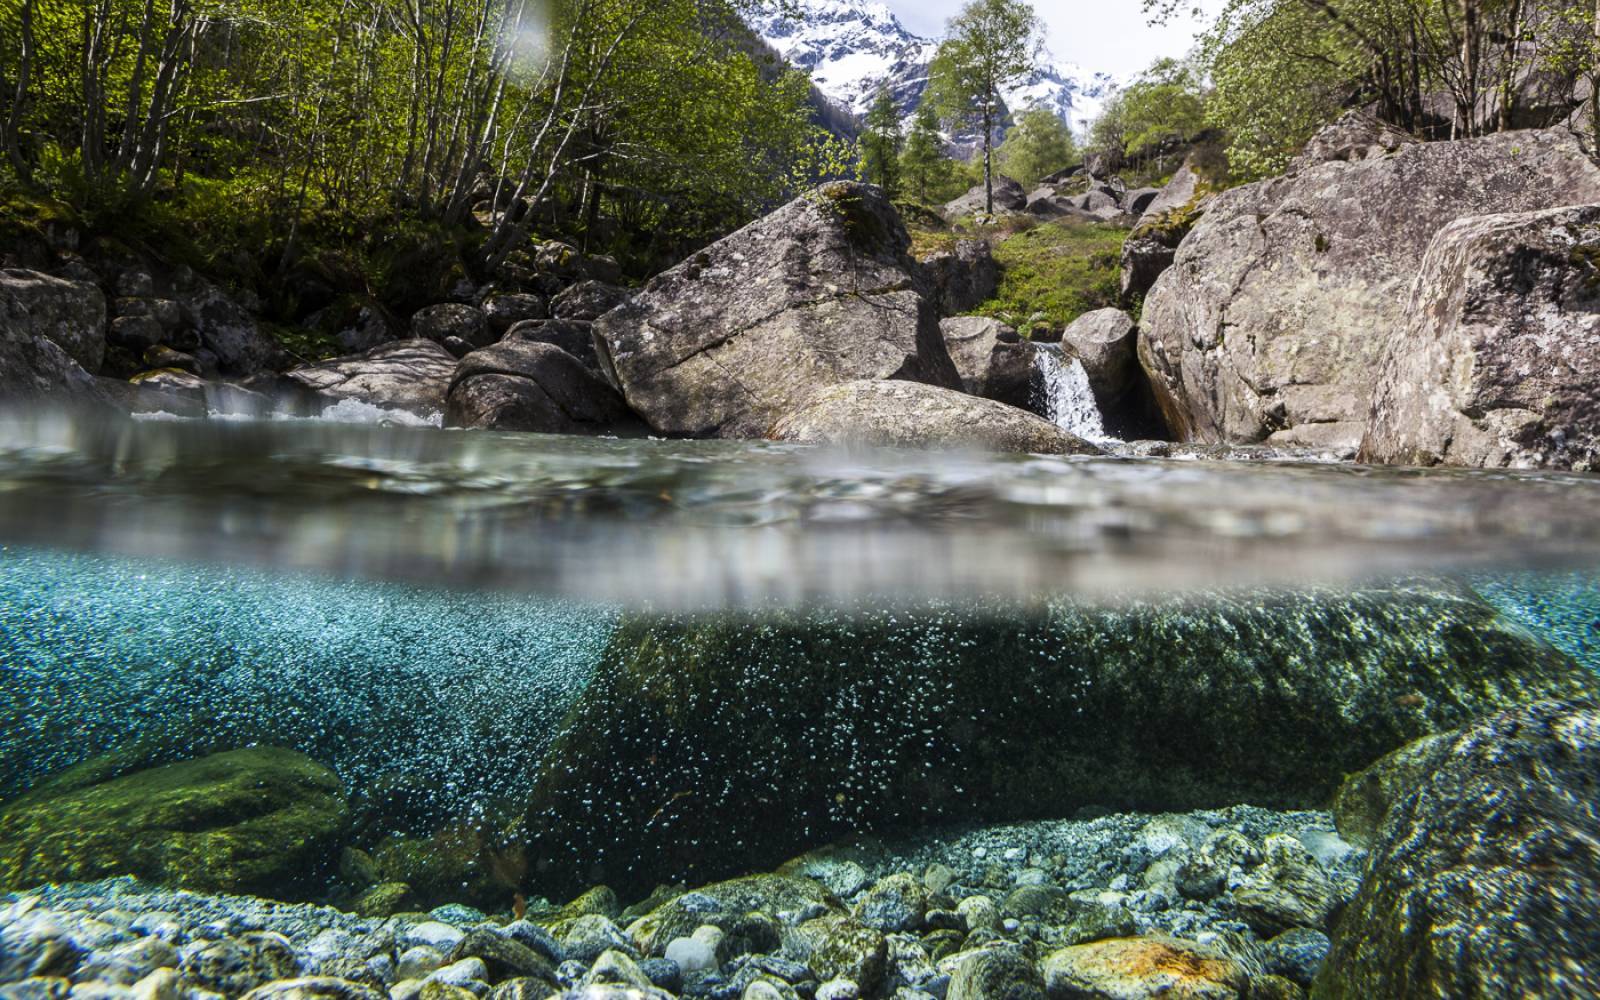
882 143
1164 105
992 45
1039 144
924 165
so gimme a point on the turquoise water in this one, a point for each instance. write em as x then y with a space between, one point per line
535 665
458 692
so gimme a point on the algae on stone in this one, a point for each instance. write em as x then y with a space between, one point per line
262 820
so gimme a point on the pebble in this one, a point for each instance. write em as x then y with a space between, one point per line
441 937
461 973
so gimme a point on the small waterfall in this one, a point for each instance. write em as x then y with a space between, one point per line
1065 396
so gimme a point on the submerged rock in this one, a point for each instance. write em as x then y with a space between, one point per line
767 734
261 820
1484 878
1498 363
1271 321
822 291
1144 967
909 415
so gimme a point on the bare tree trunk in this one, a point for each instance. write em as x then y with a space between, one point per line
13 123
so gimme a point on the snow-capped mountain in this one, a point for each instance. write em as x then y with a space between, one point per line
851 48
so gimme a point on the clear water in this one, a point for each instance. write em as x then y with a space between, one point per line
573 662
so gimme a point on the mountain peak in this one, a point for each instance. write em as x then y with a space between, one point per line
851 48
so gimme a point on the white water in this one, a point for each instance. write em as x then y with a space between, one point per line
1067 399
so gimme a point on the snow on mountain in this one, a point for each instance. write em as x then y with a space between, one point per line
851 48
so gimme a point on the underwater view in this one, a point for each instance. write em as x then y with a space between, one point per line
393 707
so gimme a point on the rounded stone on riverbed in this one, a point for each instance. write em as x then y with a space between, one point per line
1144 967
314 988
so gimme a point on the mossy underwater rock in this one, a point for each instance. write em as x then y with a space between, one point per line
1484 876
711 745
259 821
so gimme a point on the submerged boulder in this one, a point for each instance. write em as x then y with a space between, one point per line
822 291
909 415
1144 967
1484 878
408 375
1498 363
1274 315
263 820
523 385
713 744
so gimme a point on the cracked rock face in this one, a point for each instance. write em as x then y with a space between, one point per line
1272 320
1498 364
409 375
821 292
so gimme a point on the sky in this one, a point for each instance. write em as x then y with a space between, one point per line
1109 36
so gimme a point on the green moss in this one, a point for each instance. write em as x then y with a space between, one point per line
1059 270
864 226
258 820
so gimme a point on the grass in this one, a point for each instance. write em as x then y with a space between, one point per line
1054 272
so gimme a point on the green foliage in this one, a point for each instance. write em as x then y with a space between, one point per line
883 143
1038 145
642 127
1166 104
1282 69
992 44
928 175
1057 271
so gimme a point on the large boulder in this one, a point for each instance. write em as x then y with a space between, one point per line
1498 363
962 279
1276 311
1178 193
1009 196
1484 880
72 314
452 323
822 291
1105 340
528 386
712 744
573 336
993 361
229 334
411 376
911 415
263 820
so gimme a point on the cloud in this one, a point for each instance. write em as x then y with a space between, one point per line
1111 36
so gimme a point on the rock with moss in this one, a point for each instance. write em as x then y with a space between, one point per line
839 947
314 988
896 414
1498 362
759 731
262 820
1364 798
1484 878
822 291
